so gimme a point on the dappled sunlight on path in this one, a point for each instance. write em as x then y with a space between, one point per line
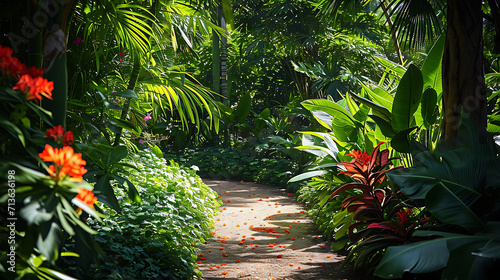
262 233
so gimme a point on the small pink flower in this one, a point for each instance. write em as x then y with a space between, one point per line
147 117
116 100
78 41
140 141
121 54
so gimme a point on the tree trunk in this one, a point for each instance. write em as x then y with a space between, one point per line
463 74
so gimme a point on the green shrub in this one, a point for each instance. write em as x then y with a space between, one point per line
157 238
234 164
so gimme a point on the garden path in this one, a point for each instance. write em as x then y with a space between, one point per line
262 233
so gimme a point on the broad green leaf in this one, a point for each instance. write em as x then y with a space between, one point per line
112 155
377 110
420 257
394 67
428 109
384 126
104 193
401 141
407 98
451 203
380 96
431 69
329 107
353 107
490 250
266 113
243 108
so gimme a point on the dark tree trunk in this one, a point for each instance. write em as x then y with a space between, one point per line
463 74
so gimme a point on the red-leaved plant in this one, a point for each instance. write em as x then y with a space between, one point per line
375 224
368 173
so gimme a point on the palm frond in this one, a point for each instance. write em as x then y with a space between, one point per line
182 98
415 21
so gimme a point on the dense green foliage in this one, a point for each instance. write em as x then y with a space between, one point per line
301 90
156 238
230 164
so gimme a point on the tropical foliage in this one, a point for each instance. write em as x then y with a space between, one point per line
383 113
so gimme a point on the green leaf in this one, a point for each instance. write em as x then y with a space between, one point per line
243 108
333 116
377 110
125 125
451 203
266 113
407 98
401 141
128 93
133 194
380 96
104 193
112 155
420 257
431 69
35 214
307 175
490 250
56 274
13 129
384 126
428 109
49 239
157 151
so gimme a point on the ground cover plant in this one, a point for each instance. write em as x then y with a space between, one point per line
156 238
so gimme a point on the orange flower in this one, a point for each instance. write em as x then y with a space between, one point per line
87 197
34 88
66 162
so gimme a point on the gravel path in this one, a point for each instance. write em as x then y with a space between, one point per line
262 233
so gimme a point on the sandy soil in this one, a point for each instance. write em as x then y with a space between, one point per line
262 233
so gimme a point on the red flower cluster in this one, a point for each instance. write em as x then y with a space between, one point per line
34 88
359 156
9 65
57 133
30 80
66 162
